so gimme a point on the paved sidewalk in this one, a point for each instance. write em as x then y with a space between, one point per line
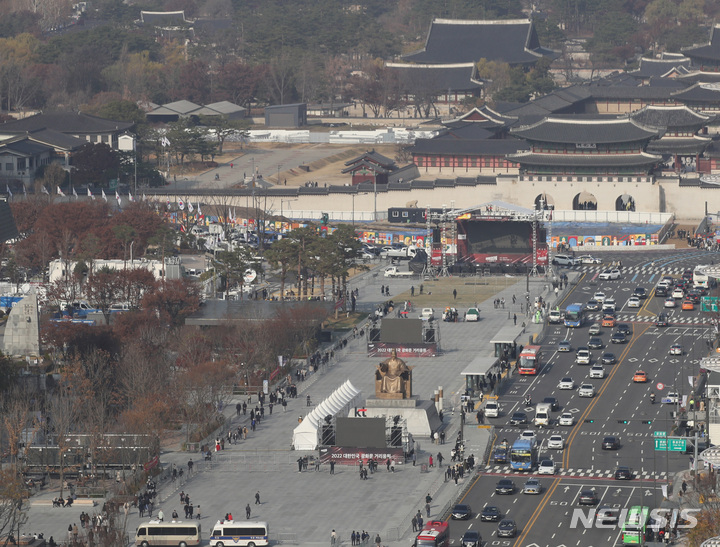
303 508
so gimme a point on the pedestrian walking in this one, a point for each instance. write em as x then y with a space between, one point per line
414 523
333 538
247 511
257 497
427 510
684 486
514 319
332 467
412 290
454 294
352 538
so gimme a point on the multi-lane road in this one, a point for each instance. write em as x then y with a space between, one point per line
620 407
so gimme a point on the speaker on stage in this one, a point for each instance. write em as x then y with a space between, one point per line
396 436
328 435
430 336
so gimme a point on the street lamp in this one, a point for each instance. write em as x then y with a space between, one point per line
375 192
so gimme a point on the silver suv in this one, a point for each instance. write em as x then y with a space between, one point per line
565 260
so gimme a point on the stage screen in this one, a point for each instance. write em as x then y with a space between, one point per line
485 237
365 432
401 331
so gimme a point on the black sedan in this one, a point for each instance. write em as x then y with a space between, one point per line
518 418
640 292
595 343
553 402
623 474
471 538
505 486
507 528
624 328
608 358
610 443
461 511
588 497
490 514
618 338
662 320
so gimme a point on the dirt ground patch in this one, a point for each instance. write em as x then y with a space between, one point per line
438 293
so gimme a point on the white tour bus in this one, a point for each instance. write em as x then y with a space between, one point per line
231 533
175 532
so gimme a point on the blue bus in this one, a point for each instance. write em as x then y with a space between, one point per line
523 455
574 315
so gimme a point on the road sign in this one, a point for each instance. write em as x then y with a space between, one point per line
672 444
709 303
660 433
660 386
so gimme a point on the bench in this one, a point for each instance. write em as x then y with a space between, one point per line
84 502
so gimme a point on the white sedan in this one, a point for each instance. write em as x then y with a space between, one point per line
676 349
670 302
566 383
586 390
566 419
556 442
529 435
678 293
671 398
633 302
599 296
610 274
589 259
597 371
546 467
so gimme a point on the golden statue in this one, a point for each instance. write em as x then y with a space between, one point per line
393 379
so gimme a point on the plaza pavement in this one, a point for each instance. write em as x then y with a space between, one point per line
303 508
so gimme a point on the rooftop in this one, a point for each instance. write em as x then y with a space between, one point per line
580 129
65 122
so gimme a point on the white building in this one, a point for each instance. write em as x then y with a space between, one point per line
173 268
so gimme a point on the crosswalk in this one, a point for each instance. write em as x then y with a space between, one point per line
675 271
681 319
578 472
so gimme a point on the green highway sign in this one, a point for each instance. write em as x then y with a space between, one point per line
660 433
673 444
709 303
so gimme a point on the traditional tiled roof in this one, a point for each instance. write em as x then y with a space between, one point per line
373 157
56 139
406 173
466 131
707 52
436 78
25 147
699 92
585 160
658 67
512 41
677 145
690 76
481 147
585 129
713 149
482 115
366 166
65 122
665 117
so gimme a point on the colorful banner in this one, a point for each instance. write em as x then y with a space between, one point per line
403 350
349 455
604 240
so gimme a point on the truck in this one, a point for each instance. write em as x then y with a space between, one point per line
394 271
404 253
542 415
555 317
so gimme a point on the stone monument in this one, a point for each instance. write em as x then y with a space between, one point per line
22 335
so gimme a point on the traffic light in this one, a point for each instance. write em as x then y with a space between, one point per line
623 421
589 421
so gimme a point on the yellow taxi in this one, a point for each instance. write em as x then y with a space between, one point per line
608 321
640 377
688 305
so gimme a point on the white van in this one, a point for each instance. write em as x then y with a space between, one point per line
492 409
542 415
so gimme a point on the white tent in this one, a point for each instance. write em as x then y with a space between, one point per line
306 434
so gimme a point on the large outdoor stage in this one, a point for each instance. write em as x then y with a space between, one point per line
495 234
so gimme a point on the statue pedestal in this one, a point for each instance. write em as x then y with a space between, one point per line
421 416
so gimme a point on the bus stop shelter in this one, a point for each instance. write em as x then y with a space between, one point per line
506 340
478 369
